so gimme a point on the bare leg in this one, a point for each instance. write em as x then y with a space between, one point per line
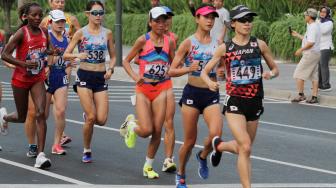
59 108
189 118
38 93
86 100
169 135
102 107
159 111
21 103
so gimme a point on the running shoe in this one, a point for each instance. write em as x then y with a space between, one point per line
180 181
123 127
169 165
326 89
299 98
131 136
42 162
65 140
58 150
32 151
215 156
3 123
203 170
149 172
312 100
87 157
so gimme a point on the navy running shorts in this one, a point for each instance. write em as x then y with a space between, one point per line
199 98
92 80
57 79
251 108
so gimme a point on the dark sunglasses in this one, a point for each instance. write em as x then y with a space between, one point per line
245 19
96 12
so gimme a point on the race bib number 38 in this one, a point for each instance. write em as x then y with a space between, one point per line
245 73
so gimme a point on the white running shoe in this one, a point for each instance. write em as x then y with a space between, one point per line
169 165
42 162
123 127
3 123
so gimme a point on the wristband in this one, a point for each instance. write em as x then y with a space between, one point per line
272 75
111 69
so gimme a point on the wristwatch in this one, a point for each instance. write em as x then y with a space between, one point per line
272 74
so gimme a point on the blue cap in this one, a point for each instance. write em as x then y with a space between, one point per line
168 11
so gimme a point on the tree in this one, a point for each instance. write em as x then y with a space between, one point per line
7 5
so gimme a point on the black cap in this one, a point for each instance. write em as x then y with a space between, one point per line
241 11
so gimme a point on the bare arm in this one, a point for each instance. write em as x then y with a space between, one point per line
177 69
68 55
75 23
297 35
217 57
111 49
9 48
138 45
267 54
171 50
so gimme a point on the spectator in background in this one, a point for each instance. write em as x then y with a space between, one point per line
155 3
192 5
326 46
307 69
219 30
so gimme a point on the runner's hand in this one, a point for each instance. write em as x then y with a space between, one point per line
194 66
213 86
139 81
266 75
82 56
108 75
30 64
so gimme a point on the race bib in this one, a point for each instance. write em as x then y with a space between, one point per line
96 55
40 59
155 71
201 65
65 79
245 73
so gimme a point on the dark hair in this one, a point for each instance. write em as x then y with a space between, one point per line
90 4
201 6
24 9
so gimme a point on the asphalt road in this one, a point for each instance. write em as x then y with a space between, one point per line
295 147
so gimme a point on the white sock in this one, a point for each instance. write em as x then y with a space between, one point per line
132 126
149 161
87 150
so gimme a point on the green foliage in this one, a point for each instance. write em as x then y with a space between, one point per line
261 29
282 44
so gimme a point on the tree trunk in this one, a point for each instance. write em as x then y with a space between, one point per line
7 4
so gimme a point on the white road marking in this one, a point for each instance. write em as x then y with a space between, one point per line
300 128
44 172
256 185
252 156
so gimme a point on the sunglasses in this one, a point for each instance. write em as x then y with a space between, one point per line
245 19
97 12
